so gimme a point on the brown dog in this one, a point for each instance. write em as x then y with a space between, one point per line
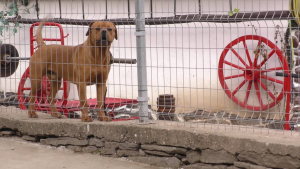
84 64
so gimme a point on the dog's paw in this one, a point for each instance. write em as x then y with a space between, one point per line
32 115
106 118
86 119
57 114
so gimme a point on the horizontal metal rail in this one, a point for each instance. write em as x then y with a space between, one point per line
240 17
113 60
16 58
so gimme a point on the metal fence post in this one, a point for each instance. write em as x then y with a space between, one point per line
141 61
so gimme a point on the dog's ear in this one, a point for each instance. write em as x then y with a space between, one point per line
89 29
116 32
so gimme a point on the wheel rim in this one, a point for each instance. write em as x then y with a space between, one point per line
24 89
249 73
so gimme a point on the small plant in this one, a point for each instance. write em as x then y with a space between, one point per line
235 11
11 11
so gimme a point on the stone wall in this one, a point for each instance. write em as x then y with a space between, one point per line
164 146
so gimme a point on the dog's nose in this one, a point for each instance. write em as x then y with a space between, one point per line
104 35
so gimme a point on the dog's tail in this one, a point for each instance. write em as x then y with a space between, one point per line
39 37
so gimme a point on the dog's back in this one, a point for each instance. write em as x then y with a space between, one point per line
52 58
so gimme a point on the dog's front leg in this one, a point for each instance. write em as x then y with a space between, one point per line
83 102
101 89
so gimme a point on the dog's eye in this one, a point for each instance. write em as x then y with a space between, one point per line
109 29
98 29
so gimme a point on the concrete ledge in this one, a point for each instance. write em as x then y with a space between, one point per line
229 144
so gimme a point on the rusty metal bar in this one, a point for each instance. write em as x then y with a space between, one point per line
230 5
105 9
59 2
199 5
37 8
82 9
174 7
151 9
128 3
240 17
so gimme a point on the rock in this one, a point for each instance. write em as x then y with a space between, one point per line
18 133
111 145
217 157
89 149
127 153
233 167
250 157
179 156
193 156
277 161
158 153
75 148
129 146
185 161
8 133
142 153
247 165
29 138
269 160
167 162
204 166
64 141
96 142
107 151
170 150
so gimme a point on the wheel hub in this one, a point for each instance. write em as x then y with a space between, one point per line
4 60
252 74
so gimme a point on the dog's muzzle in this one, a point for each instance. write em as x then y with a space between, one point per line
104 35
104 39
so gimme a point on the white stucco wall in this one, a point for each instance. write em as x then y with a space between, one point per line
182 59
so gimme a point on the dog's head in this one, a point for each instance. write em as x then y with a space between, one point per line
102 33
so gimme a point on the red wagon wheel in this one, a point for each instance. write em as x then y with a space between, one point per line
25 88
247 69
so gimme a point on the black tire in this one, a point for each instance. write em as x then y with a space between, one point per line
8 68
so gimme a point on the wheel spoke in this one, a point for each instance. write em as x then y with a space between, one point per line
233 76
264 87
248 92
272 79
239 57
233 65
265 60
247 53
240 86
258 94
272 69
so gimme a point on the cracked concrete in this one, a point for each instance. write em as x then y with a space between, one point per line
233 139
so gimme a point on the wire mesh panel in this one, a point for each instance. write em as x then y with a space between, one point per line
207 62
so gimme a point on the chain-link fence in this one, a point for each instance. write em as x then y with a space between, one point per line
201 62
